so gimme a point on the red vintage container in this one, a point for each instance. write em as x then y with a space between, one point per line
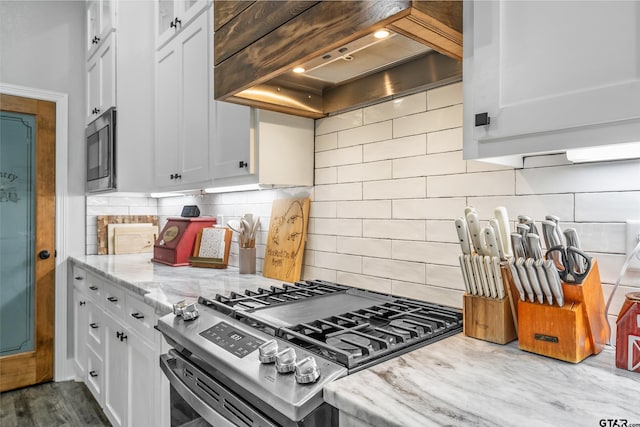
177 239
628 334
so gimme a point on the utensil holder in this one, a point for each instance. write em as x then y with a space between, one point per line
247 260
572 332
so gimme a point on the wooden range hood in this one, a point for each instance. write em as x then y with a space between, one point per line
258 43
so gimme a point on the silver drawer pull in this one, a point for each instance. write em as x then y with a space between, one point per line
93 325
137 316
93 288
112 299
93 374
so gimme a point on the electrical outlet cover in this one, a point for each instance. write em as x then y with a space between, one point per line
633 237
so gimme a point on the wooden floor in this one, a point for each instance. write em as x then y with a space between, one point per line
67 403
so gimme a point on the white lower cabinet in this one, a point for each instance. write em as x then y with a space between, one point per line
117 352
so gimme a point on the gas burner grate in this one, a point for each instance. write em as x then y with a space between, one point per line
370 335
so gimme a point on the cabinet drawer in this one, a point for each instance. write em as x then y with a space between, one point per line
79 278
141 317
95 327
113 299
95 375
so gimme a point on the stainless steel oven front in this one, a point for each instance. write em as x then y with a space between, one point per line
101 153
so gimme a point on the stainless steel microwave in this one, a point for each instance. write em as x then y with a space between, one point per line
101 153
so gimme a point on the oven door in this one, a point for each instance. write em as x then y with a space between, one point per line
197 399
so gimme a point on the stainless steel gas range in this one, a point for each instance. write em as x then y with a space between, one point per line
262 358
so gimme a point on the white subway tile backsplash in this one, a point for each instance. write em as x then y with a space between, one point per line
394 269
365 172
444 96
444 140
393 229
440 208
348 120
475 184
365 282
337 227
430 121
414 145
607 207
326 176
350 191
326 142
318 242
445 276
535 206
438 295
394 108
600 237
322 209
365 134
341 156
442 231
394 189
389 182
340 262
364 209
580 178
379 248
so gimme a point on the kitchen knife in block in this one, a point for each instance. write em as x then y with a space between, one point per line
572 332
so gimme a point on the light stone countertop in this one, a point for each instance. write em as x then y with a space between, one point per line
463 381
458 381
161 285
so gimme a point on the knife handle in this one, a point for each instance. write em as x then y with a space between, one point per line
516 278
474 231
497 275
473 283
518 247
533 279
465 277
571 237
491 242
491 280
544 282
554 281
463 235
534 246
493 223
502 217
478 259
524 279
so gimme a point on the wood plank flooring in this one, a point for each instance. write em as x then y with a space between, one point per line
66 403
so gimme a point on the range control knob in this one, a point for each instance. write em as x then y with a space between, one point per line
267 352
307 371
286 360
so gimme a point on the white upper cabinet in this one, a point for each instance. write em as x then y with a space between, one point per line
173 15
101 79
101 17
120 73
184 99
549 76
232 143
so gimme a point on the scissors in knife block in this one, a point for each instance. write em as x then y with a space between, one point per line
574 264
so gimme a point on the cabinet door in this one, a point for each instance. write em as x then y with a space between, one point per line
116 372
232 144
196 96
539 68
80 326
93 24
144 395
101 80
167 107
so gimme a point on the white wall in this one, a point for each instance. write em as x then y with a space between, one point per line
41 46
390 180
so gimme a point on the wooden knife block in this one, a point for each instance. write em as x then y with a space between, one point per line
572 332
488 319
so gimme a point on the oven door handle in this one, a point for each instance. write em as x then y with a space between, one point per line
205 411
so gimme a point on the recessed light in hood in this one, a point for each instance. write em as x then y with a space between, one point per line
362 57
258 45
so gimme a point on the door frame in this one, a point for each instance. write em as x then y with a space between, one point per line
62 366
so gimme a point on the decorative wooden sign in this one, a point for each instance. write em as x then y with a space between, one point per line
286 239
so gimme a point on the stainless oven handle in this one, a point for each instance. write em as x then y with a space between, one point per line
205 411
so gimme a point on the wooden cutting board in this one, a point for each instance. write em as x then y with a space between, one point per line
133 238
286 239
104 220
